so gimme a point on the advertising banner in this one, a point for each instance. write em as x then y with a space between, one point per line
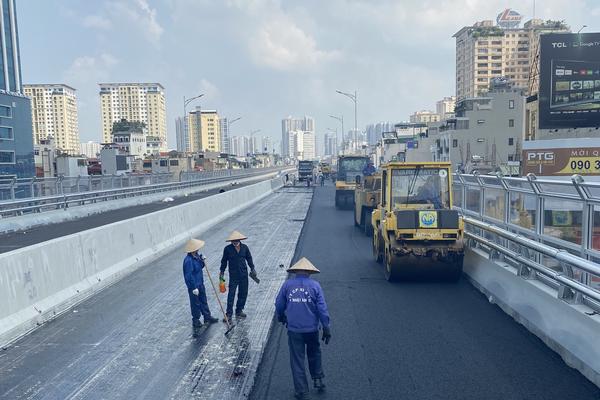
562 161
569 94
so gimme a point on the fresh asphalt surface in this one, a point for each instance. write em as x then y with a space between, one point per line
16 240
431 340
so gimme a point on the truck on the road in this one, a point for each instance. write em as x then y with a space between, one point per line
305 170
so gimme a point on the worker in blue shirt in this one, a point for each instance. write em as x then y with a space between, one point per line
192 274
369 169
300 305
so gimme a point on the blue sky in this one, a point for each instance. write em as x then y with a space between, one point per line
263 59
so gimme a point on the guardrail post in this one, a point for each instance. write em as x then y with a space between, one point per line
77 183
59 185
32 187
587 223
13 182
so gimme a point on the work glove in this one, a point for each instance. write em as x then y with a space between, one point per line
282 318
196 292
326 335
254 276
222 276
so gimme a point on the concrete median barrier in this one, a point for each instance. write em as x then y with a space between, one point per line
39 282
572 330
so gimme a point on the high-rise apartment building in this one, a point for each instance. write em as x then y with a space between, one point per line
330 144
485 51
204 130
16 144
135 102
224 126
424 117
181 134
266 145
445 107
54 114
289 125
376 131
90 149
239 145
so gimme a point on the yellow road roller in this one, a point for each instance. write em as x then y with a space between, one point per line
416 234
349 170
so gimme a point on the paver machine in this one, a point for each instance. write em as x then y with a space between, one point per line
366 198
416 234
349 171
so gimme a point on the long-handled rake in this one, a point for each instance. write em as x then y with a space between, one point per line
230 325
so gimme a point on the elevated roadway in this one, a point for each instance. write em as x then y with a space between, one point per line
423 340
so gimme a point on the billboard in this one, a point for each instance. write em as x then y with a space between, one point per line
509 19
569 94
562 157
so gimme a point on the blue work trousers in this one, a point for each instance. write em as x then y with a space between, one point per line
199 304
300 344
239 284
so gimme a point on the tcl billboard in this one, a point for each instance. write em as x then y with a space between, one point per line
569 94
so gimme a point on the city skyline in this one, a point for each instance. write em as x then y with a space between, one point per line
316 67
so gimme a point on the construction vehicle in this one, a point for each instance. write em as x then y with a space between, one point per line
349 170
416 233
366 199
305 170
325 169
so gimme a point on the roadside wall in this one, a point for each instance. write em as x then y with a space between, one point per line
41 281
566 328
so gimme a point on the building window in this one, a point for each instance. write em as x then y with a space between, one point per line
511 104
511 141
454 142
7 157
6 133
5 111
511 158
511 123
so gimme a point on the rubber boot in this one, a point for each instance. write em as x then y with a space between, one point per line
301 396
210 320
240 314
196 325
318 384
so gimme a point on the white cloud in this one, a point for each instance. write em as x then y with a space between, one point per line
282 45
210 90
141 15
96 22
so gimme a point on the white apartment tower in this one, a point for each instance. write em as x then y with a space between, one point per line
142 102
290 125
486 50
54 115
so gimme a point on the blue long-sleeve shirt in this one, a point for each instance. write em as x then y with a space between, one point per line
192 271
301 299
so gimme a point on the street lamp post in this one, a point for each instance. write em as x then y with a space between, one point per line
229 123
580 29
185 125
341 119
354 98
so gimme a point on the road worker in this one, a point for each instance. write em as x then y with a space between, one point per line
192 274
300 305
237 256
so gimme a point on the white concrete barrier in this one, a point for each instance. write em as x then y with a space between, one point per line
569 329
41 281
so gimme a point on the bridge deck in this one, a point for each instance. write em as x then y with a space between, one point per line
411 340
133 340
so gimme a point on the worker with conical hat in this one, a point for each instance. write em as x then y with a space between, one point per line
238 258
300 305
192 274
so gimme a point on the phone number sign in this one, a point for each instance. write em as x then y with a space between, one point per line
556 162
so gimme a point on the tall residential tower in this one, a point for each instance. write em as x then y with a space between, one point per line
54 114
135 102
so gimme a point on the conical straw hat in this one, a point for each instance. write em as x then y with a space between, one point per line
235 235
303 265
193 245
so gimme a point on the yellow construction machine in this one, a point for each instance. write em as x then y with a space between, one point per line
415 231
349 171
366 199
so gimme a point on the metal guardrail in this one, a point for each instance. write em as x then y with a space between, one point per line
549 230
40 204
